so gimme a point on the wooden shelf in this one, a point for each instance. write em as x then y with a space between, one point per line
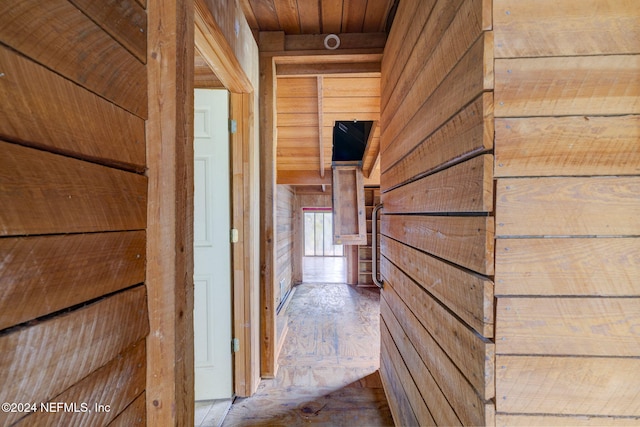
371 198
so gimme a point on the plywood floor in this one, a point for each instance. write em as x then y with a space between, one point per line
329 364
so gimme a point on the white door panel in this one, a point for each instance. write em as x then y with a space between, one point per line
212 247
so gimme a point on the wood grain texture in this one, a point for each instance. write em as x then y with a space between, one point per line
405 380
376 16
169 281
562 86
203 75
589 267
296 87
462 85
606 206
465 187
297 105
348 41
246 368
469 296
566 28
547 146
349 223
405 32
288 17
231 29
233 70
504 420
350 66
69 347
466 241
353 16
371 155
134 415
115 385
568 326
363 104
309 13
284 236
293 119
467 133
304 177
568 385
117 137
47 193
268 174
452 27
350 87
59 36
77 268
470 408
124 20
402 353
472 354
396 395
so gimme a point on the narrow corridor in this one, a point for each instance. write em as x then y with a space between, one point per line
329 364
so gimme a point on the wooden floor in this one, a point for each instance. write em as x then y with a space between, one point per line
329 363
324 269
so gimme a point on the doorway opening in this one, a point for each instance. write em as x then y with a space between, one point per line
323 261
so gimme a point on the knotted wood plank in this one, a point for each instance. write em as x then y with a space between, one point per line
44 274
41 361
46 193
466 241
107 392
50 112
59 36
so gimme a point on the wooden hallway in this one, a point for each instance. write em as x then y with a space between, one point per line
329 364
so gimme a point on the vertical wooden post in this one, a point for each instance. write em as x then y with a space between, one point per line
267 221
245 305
169 131
238 249
321 124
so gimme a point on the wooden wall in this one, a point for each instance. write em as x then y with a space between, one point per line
284 240
567 166
307 108
557 163
437 227
73 306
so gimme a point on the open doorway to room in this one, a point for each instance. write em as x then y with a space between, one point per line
323 261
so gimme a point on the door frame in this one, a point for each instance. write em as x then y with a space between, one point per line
175 28
214 48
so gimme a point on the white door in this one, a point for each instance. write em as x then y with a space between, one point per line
212 247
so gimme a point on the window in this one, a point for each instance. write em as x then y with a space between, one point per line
318 235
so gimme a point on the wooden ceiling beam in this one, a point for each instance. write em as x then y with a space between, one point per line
278 42
326 57
371 151
371 69
347 41
303 177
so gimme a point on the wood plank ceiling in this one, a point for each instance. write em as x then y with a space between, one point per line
318 16
309 97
